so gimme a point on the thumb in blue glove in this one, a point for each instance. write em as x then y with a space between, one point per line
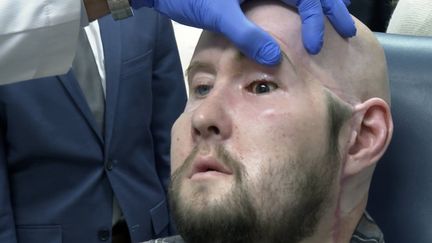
221 16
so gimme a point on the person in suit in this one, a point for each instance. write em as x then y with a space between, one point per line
75 170
282 154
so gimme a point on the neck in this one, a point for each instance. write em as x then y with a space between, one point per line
338 225
347 222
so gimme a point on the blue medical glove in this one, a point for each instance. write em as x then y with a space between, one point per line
226 17
312 15
221 16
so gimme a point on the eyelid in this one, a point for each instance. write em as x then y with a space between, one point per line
195 73
264 78
199 67
200 77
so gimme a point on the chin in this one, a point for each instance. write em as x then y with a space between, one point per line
206 192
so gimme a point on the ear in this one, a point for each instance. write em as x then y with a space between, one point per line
371 133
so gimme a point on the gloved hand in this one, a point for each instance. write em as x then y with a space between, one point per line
311 13
226 17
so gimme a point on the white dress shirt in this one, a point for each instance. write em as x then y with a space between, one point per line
94 37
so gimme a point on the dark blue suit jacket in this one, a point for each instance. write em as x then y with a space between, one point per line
58 173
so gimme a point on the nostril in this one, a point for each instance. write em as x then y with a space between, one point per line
197 132
214 130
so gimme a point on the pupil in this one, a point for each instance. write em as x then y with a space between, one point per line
203 90
262 88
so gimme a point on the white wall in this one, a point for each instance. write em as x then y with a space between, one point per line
186 37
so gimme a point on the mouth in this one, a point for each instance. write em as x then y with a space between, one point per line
208 167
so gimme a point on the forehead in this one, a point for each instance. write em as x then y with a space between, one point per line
271 17
211 47
281 21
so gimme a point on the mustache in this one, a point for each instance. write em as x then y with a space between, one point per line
223 156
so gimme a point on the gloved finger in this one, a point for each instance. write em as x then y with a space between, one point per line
252 41
311 14
339 17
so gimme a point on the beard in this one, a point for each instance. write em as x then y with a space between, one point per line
284 206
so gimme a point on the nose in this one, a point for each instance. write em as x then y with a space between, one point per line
211 120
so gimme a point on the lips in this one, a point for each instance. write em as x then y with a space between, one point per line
209 166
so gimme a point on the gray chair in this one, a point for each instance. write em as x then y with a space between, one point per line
400 198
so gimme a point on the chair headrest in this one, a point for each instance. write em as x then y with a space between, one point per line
400 198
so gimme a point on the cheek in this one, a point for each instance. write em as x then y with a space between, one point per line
279 133
260 141
269 132
180 142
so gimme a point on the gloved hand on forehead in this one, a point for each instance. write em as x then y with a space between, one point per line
226 17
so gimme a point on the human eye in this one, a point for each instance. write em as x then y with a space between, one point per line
202 90
261 87
200 84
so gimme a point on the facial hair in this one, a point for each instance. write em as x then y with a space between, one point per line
216 223
295 199
238 218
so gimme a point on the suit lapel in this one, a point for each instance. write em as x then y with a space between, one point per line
111 40
71 85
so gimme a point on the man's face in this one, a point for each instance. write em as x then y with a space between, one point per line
255 154
250 154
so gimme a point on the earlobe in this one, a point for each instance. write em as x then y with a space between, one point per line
371 134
